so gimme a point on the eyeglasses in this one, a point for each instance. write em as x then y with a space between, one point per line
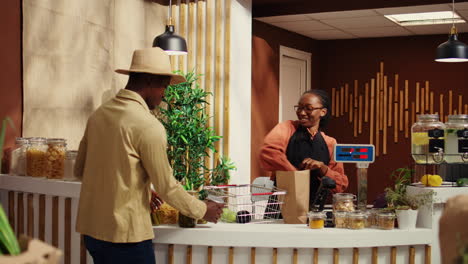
306 108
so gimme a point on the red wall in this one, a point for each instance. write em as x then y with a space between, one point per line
342 61
11 102
266 41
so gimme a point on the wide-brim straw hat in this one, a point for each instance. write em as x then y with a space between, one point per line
153 61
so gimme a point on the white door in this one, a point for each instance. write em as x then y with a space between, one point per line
294 80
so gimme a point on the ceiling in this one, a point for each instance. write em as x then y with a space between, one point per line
365 23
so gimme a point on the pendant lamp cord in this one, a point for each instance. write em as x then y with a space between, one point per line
169 15
453 31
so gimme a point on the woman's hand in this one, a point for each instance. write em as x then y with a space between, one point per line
311 164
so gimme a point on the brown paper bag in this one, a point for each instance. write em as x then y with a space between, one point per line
296 201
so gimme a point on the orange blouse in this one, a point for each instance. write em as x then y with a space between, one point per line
273 154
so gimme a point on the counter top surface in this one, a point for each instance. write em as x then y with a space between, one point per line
283 236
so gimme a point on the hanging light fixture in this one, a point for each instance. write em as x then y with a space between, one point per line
452 50
170 42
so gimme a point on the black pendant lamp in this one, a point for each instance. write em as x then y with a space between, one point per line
170 42
452 50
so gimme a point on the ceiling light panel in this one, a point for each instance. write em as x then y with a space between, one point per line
427 18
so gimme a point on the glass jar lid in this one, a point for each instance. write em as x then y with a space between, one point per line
56 141
357 215
458 118
71 154
344 196
340 214
386 215
317 215
428 117
37 140
21 141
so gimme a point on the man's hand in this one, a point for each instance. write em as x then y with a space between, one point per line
213 211
311 164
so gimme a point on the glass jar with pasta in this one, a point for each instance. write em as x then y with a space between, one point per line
36 163
56 150
18 157
343 202
356 220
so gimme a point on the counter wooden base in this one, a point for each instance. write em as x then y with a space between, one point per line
277 243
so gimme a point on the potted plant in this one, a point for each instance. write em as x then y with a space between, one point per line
405 205
190 138
5 122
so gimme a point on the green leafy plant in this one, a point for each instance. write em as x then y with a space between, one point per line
398 198
188 135
5 122
8 242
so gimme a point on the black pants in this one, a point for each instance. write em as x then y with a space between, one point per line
104 252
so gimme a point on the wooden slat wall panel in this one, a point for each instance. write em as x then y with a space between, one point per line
218 72
30 216
275 256
11 210
55 220
67 229
375 255
355 255
82 251
42 206
227 50
427 255
336 256
20 214
231 255
170 254
210 255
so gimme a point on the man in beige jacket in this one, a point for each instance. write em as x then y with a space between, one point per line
122 151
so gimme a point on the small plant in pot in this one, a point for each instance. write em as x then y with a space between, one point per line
406 206
190 138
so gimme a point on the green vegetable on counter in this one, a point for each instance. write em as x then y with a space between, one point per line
8 242
462 182
228 216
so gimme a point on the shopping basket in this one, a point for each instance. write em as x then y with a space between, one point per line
250 203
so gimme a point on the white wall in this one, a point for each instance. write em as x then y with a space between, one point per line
240 88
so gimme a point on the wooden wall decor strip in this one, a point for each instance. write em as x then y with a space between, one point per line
210 255
441 109
375 255
412 254
338 107
360 115
351 108
427 255
174 59
218 77
336 256
83 257
20 213
377 104
417 97
427 96
393 253
42 209
390 104
170 254
55 221
188 257
11 210
200 39
192 48
466 109
385 103
208 73
406 94
316 255
377 128
356 93
406 124
460 104
450 109
30 216
355 122
333 102
422 100
395 127
401 110
275 256
366 103
231 255
355 255
397 87
431 105
343 101
227 61
252 256
413 112
182 32
67 230
371 115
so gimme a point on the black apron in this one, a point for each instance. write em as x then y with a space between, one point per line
301 146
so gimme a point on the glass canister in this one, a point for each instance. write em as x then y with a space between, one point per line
386 220
316 220
427 139
372 217
456 139
356 220
36 161
55 156
18 157
70 159
341 219
343 202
